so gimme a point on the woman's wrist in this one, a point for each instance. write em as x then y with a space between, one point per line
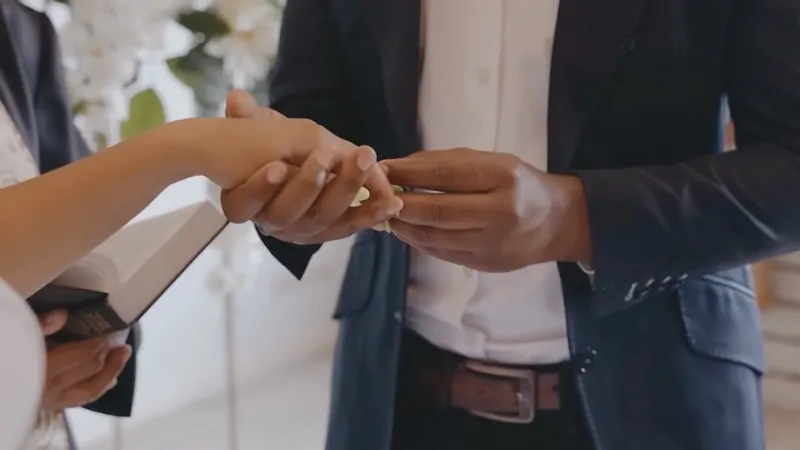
171 152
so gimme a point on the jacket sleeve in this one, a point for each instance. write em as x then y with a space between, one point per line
60 143
652 227
308 81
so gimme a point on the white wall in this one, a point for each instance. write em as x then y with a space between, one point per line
782 336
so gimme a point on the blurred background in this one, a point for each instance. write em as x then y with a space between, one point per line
237 354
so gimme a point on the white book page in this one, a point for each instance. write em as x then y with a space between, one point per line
110 266
94 272
133 246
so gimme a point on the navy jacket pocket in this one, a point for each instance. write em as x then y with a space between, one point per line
359 279
722 320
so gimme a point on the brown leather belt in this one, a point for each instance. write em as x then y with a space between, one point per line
495 392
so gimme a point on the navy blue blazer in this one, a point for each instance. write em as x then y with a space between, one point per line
33 90
666 344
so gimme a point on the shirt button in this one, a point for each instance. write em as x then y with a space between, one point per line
398 316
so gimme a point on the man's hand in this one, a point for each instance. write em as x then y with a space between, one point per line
309 204
79 372
491 211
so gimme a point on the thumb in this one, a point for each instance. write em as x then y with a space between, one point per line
241 105
245 201
53 321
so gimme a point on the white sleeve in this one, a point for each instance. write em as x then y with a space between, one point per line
22 368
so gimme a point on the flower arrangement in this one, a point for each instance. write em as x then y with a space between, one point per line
106 42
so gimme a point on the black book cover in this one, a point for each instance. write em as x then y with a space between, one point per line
90 314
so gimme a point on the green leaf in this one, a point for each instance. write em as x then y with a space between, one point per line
204 75
206 23
146 112
189 76
101 141
80 108
277 4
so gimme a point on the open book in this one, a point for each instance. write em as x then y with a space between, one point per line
113 286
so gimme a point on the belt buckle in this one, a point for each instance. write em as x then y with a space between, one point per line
525 395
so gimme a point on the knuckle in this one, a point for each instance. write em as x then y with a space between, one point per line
96 364
56 383
310 181
314 211
87 394
306 125
514 169
423 235
315 131
434 213
276 220
276 223
443 173
265 227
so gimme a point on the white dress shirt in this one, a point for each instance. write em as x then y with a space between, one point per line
485 85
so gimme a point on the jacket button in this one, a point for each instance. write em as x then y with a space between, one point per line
589 354
585 359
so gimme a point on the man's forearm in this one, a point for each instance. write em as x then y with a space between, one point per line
661 224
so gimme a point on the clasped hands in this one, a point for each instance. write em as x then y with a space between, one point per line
79 372
490 210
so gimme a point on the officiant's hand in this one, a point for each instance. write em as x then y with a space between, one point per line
309 203
79 372
492 211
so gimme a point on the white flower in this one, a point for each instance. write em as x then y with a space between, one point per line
98 123
246 52
102 45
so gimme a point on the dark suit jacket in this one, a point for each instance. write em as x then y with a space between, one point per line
666 343
33 90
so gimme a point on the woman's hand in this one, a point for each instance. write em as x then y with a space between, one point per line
79 372
230 150
309 201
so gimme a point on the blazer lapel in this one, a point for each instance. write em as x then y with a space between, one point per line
12 85
591 38
395 27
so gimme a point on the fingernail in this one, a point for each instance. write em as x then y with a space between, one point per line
52 319
325 160
365 160
276 173
112 384
322 177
